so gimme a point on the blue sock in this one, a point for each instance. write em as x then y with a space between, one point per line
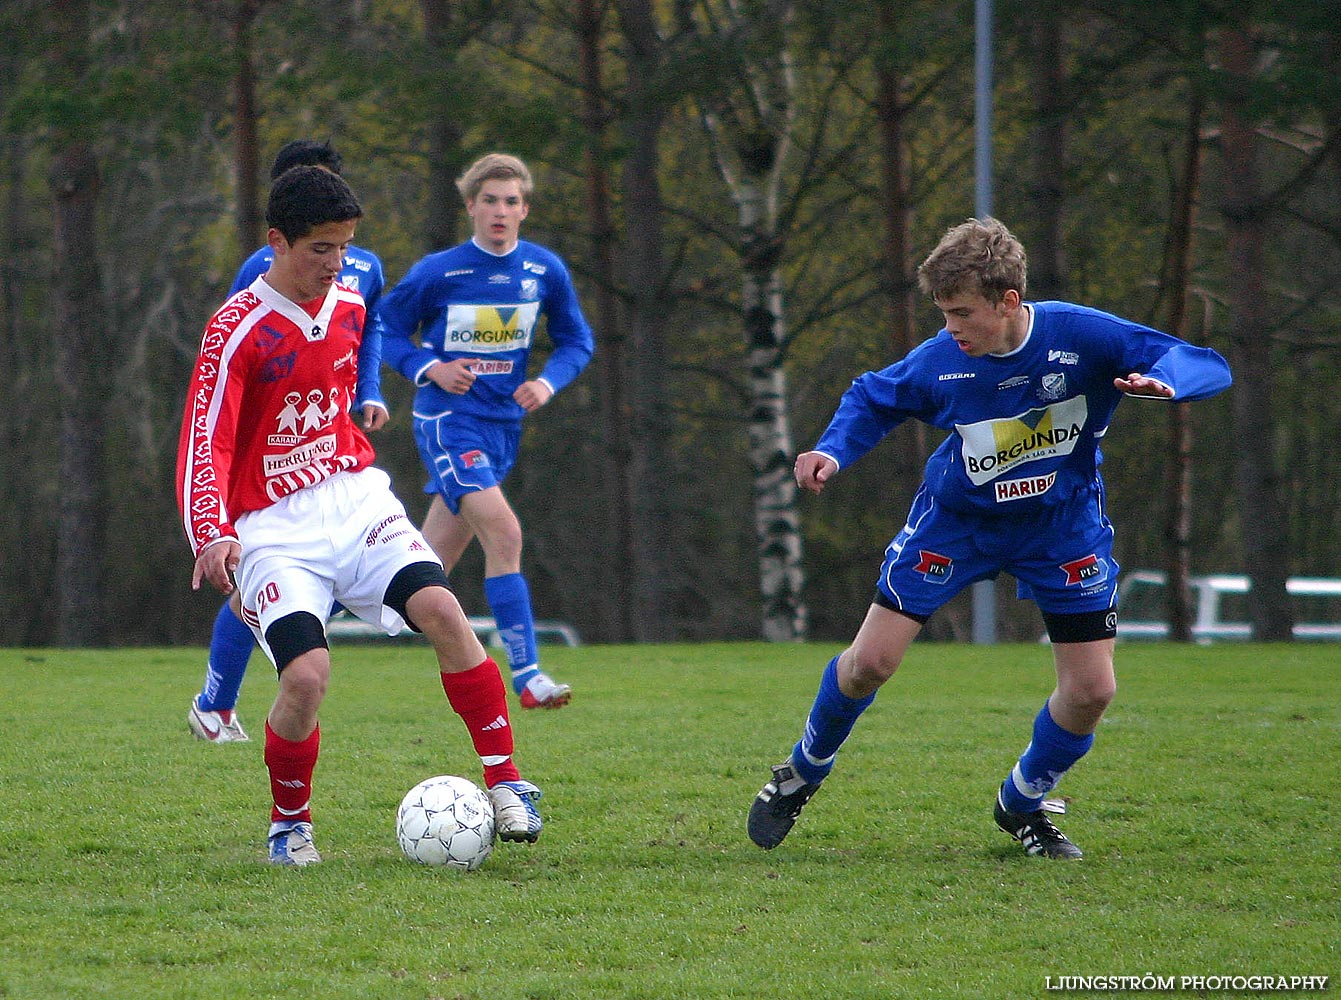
830 722
510 600
1048 756
230 649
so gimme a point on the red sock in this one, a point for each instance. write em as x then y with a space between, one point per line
478 696
291 766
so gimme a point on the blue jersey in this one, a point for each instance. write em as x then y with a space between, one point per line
1024 427
363 273
468 303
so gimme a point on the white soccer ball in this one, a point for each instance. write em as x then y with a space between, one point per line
446 821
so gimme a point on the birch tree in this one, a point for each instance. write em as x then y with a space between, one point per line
749 131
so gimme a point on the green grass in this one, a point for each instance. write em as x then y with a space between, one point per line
131 856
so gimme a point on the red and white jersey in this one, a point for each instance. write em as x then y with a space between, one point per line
267 413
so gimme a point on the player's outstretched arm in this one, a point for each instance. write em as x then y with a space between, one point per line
1137 384
813 469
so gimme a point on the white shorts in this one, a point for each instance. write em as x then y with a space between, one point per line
343 539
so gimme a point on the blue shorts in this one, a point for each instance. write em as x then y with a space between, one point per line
465 454
1061 557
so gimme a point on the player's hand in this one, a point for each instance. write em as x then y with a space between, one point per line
374 417
1137 384
453 376
217 564
533 395
813 470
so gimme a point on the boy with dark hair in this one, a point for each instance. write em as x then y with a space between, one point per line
213 713
280 501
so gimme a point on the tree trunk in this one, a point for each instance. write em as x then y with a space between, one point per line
1178 479
82 359
650 467
250 217
1265 543
891 114
445 133
750 132
1047 263
777 521
611 363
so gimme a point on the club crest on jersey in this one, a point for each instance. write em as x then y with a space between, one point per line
935 568
530 289
1085 572
1052 386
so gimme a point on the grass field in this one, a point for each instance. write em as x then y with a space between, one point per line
131 856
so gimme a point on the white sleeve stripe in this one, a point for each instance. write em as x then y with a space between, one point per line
210 394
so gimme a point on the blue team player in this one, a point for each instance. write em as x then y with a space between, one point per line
1026 391
476 308
213 715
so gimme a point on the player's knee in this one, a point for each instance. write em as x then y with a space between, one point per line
503 544
867 667
1086 701
293 635
409 581
1098 694
439 616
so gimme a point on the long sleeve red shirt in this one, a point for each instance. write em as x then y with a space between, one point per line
268 411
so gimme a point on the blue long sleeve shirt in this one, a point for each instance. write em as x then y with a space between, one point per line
468 303
1025 427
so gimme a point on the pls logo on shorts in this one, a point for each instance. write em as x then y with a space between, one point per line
1086 571
474 459
935 568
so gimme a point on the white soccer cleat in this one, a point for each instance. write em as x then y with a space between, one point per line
291 845
542 691
515 816
215 727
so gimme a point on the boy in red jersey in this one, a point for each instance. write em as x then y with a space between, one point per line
280 500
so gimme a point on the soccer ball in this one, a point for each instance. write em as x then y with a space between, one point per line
446 821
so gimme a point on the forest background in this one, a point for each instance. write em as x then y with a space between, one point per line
743 190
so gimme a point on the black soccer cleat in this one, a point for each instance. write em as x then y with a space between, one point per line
777 805
1035 831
